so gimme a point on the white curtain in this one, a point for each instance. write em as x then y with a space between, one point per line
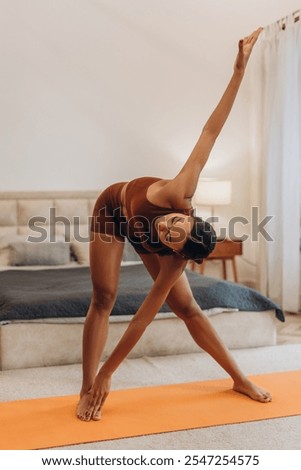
276 158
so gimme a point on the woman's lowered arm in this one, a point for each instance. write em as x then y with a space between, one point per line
171 269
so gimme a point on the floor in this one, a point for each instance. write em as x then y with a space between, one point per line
52 381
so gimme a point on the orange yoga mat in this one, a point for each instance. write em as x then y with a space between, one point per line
51 422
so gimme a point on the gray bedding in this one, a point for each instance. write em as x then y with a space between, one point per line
53 293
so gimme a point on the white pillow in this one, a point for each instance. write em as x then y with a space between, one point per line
35 254
80 251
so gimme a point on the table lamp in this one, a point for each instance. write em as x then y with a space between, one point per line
211 192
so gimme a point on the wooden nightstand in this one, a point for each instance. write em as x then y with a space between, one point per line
225 250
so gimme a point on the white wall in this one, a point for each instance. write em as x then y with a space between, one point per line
98 91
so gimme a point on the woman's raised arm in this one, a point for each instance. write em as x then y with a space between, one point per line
184 184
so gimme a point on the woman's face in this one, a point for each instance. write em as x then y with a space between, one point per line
174 229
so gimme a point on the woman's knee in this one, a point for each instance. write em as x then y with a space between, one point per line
103 300
185 309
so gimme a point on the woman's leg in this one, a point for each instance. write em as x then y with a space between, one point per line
183 304
105 258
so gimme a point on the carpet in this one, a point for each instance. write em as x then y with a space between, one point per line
51 422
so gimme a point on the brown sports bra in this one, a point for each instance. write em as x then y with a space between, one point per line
141 215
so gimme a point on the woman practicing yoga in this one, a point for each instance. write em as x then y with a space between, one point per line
157 218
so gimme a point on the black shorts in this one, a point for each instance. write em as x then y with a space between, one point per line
107 218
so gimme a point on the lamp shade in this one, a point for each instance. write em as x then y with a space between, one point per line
213 193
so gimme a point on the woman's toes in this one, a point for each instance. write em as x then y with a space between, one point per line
264 396
268 397
254 392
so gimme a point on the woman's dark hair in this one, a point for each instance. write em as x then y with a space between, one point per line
201 241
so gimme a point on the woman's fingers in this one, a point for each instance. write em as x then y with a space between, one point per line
94 408
91 406
249 42
96 415
245 49
97 398
254 36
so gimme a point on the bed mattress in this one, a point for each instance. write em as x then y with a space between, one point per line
59 293
42 312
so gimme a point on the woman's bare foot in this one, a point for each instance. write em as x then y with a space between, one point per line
253 391
83 412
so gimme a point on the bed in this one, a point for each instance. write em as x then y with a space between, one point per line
45 290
